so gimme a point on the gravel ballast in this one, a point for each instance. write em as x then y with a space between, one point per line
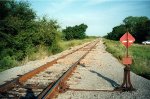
12 73
99 70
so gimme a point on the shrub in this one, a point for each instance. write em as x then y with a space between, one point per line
7 62
56 48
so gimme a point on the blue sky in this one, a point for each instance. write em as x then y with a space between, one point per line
100 15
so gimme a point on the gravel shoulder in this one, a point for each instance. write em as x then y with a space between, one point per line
99 70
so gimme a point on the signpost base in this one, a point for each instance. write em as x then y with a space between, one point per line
126 85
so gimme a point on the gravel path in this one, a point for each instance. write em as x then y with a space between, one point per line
20 70
99 70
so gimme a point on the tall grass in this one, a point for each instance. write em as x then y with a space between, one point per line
139 53
67 44
40 53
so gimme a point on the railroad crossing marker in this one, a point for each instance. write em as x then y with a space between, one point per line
127 39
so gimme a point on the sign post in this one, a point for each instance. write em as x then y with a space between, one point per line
127 39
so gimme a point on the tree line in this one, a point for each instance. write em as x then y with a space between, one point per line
22 33
139 27
75 32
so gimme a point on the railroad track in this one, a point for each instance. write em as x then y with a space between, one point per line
47 80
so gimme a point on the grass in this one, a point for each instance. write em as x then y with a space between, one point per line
139 53
67 44
41 53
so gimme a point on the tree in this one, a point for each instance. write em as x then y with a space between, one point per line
15 16
15 19
139 27
21 34
142 30
75 32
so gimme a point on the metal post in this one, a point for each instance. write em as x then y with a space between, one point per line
126 85
127 43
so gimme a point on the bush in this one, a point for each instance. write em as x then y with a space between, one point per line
21 33
7 62
56 48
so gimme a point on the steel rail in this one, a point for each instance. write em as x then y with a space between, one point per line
21 79
42 68
58 85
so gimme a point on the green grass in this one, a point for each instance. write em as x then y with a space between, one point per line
41 52
67 44
139 53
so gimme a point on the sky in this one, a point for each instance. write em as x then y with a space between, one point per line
100 15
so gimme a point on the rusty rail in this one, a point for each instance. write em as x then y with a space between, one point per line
60 84
20 80
42 68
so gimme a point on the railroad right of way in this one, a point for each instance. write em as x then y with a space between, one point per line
33 83
97 76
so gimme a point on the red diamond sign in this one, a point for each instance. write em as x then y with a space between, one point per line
127 39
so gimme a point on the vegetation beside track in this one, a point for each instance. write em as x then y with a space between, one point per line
139 53
44 51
